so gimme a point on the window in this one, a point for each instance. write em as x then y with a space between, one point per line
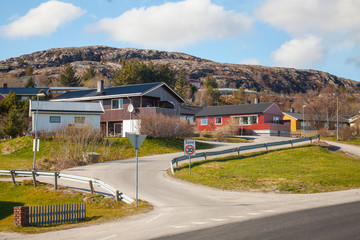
204 121
253 119
117 104
248 120
326 125
79 119
244 120
218 121
55 119
276 120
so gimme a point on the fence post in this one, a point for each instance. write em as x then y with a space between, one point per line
311 140
177 164
238 150
13 176
291 142
56 181
266 147
91 187
21 216
205 155
117 196
34 176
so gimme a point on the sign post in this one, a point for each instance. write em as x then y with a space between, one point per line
189 149
136 141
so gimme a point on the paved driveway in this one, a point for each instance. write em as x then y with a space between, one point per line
180 206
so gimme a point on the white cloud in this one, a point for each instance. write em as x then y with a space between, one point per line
321 17
42 20
300 53
174 25
250 61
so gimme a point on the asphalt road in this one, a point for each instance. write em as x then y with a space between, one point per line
180 206
326 223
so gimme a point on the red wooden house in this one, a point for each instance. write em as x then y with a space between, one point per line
261 118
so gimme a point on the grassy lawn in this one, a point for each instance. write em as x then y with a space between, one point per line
98 208
17 153
305 169
227 139
352 142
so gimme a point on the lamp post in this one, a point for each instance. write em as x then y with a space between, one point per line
303 123
35 125
337 115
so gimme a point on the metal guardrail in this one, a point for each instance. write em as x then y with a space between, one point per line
239 149
58 175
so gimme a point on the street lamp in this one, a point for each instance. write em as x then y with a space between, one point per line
337 115
35 124
303 123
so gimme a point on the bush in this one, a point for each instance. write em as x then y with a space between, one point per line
347 133
225 131
162 126
324 132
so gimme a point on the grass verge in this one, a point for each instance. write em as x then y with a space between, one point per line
351 142
227 139
98 208
305 169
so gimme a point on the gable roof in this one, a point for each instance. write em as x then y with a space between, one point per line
316 117
234 109
113 92
22 91
189 110
66 107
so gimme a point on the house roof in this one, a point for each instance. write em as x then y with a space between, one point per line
189 110
66 107
233 109
316 117
22 91
112 92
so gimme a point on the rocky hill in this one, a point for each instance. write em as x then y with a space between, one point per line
106 60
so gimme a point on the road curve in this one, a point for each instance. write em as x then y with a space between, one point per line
180 206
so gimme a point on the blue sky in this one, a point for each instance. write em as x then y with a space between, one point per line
305 34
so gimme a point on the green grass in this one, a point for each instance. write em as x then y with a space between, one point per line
98 208
306 169
226 139
17 153
352 142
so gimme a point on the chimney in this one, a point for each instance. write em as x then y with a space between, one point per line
100 86
5 85
291 110
256 100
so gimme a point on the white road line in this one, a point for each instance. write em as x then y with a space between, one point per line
218 219
178 226
199 223
154 218
253 213
112 236
237 216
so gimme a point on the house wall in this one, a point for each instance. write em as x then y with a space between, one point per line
165 95
295 125
43 122
271 112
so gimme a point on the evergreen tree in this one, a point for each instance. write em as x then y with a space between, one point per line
14 122
182 87
30 83
68 77
29 71
212 95
88 74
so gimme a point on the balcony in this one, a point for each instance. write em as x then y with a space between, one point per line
151 110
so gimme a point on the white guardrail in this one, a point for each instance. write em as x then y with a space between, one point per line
58 175
239 149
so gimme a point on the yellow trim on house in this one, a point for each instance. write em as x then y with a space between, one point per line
294 124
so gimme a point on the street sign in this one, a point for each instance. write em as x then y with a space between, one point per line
36 145
189 147
136 140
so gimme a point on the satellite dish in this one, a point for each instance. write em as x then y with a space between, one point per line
130 108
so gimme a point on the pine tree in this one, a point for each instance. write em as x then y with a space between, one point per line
30 83
68 77
182 87
14 122
212 95
88 74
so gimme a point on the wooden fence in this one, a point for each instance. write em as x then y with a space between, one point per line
40 215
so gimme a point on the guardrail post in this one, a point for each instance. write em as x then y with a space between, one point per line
177 164
311 140
13 177
117 196
205 156
34 176
238 150
56 182
91 187
266 147
291 142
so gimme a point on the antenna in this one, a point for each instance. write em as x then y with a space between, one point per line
130 108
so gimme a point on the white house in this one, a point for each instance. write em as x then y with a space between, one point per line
52 115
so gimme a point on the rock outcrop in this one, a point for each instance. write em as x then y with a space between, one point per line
106 60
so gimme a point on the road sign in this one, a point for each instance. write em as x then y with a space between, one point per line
136 140
189 147
36 145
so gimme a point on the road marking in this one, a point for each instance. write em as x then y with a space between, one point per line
112 236
253 213
237 216
199 223
154 218
218 219
178 226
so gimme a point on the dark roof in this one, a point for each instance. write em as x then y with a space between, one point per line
134 90
189 110
315 117
233 109
22 91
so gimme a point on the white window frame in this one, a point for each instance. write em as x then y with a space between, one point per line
276 119
56 117
120 104
77 118
241 122
202 121
216 122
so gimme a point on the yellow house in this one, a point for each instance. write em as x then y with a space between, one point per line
296 120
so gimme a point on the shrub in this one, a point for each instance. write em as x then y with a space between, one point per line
347 133
162 126
225 131
324 132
